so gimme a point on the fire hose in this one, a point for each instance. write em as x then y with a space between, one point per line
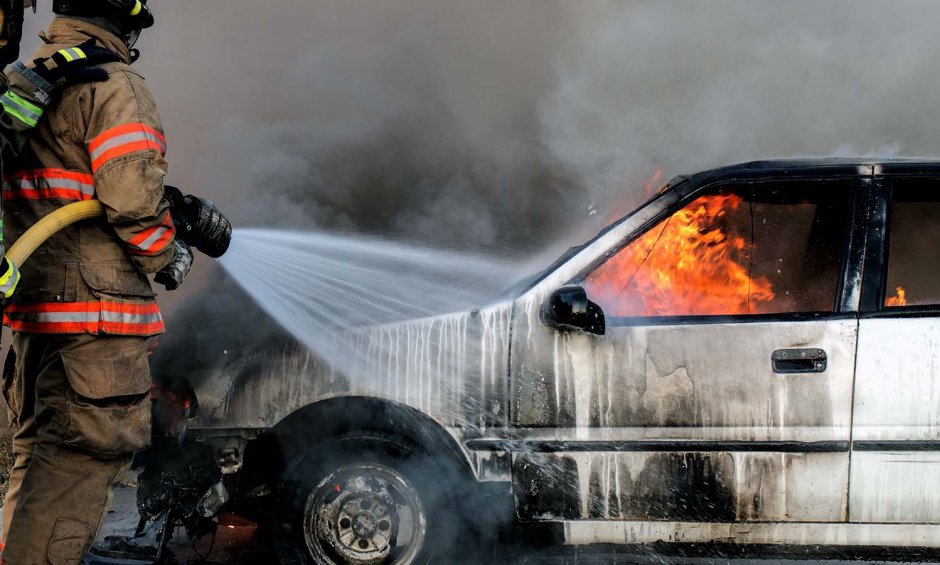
49 226
198 222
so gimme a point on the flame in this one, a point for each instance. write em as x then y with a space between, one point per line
651 185
898 300
687 265
619 208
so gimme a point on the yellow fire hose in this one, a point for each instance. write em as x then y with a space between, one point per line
49 226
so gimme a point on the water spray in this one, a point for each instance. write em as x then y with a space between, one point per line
327 289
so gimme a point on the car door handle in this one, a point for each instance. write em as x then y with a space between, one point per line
799 361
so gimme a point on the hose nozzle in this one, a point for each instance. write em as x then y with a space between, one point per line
199 222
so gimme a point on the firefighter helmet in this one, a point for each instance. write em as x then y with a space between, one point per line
135 12
128 16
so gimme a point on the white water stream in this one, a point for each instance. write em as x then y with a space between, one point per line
318 285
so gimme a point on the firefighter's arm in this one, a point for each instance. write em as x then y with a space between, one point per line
126 146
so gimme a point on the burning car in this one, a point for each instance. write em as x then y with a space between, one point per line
750 357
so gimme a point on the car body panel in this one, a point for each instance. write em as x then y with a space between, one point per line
770 533
896 422
719 486
452 368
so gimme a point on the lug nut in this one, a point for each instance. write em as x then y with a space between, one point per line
344 523
365 504
363 544
384 525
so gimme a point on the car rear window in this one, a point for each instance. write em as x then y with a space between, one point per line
765 248
913 277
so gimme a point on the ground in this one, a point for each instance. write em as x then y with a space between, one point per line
233 542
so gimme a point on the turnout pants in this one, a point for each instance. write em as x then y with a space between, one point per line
81 407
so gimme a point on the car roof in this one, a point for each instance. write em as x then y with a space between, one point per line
812 166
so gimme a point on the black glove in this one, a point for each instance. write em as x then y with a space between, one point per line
176 270
75 65
199 222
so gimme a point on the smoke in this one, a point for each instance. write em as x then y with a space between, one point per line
497 125
512 127
689 86
501 126
413 119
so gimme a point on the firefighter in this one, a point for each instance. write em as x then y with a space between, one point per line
77 380
23 95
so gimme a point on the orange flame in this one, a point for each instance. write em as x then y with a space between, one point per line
627 203
898 300
687 265
650 187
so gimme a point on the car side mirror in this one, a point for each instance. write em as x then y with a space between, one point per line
568 308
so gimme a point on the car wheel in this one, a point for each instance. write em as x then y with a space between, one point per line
367 498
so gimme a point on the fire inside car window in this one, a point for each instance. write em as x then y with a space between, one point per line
759 249
914 216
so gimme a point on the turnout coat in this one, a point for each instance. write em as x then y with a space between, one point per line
99 140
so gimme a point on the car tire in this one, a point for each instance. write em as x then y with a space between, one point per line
368 497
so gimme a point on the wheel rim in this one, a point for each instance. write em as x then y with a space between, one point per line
364 513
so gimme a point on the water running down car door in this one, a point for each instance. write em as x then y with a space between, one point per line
721 389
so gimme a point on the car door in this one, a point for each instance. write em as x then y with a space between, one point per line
896 427
721 389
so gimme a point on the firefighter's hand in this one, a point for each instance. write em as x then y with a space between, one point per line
9 278
173 274
199 222
75 65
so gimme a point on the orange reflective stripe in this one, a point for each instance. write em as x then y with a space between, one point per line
49 184
109 317
153 241
131 307
123 140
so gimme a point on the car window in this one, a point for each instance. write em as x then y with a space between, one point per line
752 249
913 269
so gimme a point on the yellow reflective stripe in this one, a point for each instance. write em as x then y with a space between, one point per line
72 54
9 280
137 8
21 109
34 110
